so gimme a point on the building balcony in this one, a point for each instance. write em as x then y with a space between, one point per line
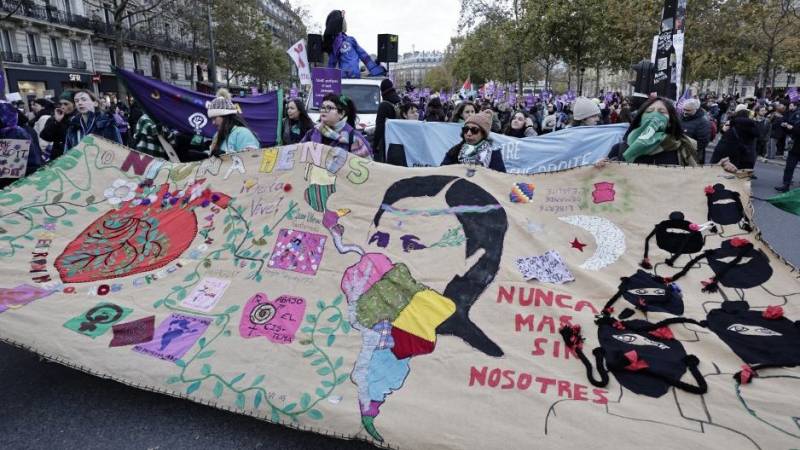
80 65
59 62
49 14
37 60
11 57
173 76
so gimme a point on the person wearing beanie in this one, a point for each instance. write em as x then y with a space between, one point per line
585 112
55 128
476 148
89 120
42 111
343 50
337 116
232 134
386 110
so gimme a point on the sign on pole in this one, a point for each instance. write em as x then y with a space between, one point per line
300 57
325 81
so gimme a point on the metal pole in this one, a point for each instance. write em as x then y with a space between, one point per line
212 63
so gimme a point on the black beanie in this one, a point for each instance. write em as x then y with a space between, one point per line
386 85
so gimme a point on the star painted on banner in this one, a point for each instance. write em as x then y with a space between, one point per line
577 244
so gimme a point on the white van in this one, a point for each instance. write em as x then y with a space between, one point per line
366 94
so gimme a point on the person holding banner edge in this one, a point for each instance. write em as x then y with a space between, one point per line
476 148
233 134
337 116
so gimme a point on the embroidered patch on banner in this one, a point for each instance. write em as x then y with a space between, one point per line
298 251
206 294
610 240
174 337
277 320
547 268
522 192
17 297
146 232
603 192
135 332
96 321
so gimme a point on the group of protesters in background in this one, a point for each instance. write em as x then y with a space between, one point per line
739 129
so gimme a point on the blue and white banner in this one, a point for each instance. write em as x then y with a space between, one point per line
425 144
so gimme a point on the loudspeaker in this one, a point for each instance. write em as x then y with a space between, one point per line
387 48
645 72
314 48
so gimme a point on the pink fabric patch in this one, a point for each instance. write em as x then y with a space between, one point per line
359 277
603 192
298 251
277 320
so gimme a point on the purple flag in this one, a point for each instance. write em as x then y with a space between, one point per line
185 110
687 94
793 94
529 100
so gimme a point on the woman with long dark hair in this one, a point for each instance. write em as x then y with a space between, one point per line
343 50
520 126
336 126
656 136
232 134
297 122
463 111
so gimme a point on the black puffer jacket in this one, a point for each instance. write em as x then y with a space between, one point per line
698 128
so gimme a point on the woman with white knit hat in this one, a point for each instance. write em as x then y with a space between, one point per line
585 112
232 135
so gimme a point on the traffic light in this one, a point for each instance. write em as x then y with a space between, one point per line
645 71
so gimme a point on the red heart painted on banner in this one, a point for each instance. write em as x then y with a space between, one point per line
144 234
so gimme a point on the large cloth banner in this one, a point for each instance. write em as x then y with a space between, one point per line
428 308
425 144
185 110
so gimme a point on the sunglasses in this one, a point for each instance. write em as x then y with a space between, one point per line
473 130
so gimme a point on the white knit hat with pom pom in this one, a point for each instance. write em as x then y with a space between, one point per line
222 105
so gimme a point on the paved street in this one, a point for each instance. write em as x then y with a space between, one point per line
46 405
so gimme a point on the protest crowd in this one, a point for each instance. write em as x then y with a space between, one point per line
699 128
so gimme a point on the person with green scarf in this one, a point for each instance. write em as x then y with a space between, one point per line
656 137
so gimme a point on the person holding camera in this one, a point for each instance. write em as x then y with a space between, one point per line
55 129
793 155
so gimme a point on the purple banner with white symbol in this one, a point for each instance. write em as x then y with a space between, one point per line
185 110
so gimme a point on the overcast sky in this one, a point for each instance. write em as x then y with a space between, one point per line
424 24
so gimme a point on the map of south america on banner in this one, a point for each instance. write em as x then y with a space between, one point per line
413 308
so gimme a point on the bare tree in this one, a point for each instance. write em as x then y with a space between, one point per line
133 13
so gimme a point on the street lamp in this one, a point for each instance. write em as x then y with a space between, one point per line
212 63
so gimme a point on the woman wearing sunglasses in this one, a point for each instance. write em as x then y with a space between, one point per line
475 147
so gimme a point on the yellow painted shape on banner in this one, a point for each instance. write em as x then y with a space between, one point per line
268 160
318 175
426 311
